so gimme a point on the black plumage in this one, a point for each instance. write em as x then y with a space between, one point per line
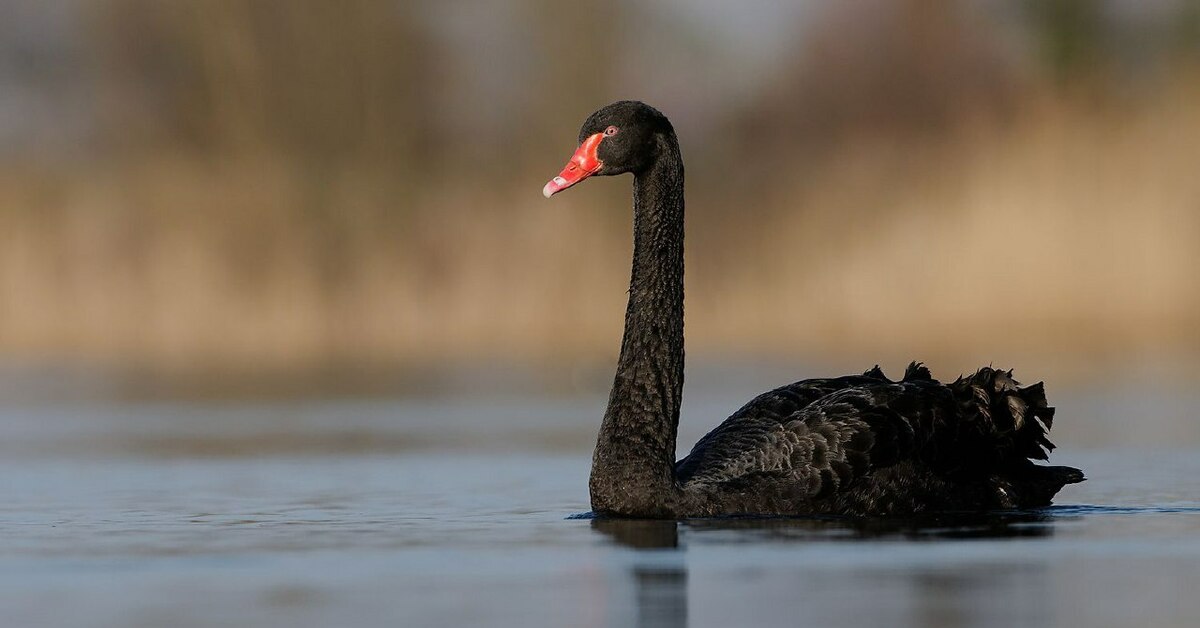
865 445
855 445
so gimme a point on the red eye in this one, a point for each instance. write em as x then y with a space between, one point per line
612 130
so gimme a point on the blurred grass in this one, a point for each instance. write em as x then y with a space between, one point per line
279 185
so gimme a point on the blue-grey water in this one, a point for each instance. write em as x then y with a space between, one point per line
456 512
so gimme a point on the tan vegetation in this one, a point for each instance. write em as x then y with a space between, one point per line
279 186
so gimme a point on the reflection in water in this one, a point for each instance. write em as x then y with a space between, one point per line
660 588
956 598
934 526
640 533
661 596
938 598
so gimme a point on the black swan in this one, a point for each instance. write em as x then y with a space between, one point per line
859 445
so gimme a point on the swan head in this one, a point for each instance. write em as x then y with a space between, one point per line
626 136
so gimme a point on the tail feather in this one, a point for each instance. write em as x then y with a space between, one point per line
1012 419
1004 426
1036 485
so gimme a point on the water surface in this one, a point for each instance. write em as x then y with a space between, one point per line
382 513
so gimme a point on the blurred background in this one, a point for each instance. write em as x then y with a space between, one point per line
278 195
289 335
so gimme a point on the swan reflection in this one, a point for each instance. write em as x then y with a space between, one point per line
659 578
653 580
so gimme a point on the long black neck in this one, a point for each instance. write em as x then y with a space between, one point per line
633 466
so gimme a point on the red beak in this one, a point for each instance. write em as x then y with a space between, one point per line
582 165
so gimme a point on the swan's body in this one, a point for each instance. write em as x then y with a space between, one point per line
854 445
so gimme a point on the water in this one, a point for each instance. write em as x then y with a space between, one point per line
422 514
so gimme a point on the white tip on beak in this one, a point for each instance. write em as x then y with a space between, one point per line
557 184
